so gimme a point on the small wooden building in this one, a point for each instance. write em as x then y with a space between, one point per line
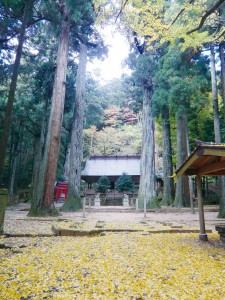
112 167
207 159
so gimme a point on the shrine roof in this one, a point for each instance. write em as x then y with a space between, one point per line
207 159
112 166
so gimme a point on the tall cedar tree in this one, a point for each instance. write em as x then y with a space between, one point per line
217 131
44 197
76 152
11 96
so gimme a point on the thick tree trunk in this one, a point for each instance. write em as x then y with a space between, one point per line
222 62
66 172
215 96
13 177
168 188
221 179
17 144
147 189
182 187
12 89
56 117
11 95
36 187
191 184
3 198
76 152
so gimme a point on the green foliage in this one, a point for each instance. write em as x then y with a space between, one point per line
125 183
181 80
125 140
191 23
143 67
102 185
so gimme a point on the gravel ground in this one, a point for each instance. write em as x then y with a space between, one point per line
17 222
22 231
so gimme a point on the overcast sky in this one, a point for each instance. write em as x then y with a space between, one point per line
118 50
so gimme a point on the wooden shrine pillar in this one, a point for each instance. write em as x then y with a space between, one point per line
202 236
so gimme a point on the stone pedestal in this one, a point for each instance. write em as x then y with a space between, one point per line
221 231
97 200
126 200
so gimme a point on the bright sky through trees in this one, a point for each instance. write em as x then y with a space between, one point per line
111 67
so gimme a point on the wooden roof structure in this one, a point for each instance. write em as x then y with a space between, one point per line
208 159
112 167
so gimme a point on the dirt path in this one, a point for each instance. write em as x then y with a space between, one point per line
22 231
17 222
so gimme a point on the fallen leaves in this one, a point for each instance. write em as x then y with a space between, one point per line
115 266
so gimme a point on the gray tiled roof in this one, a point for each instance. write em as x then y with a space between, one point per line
112 165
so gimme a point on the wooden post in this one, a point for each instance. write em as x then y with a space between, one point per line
145 204
202 235
84 202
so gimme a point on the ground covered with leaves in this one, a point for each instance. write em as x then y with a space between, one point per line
115 266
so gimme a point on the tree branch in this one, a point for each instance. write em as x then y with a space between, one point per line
121 10
222 33
36 134
178 15
206 15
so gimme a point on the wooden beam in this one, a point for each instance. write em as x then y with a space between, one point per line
211 167
217 173
187 164
202 235
214 152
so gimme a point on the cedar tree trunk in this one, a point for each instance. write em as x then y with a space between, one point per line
182 187
76 152
56 116
147 189
11 95
36 188
222 61
221 179
168 188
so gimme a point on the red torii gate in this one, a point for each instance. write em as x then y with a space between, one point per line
208 159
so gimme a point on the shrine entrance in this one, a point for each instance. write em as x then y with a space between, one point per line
112 167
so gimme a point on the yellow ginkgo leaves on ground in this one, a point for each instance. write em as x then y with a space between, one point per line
115 266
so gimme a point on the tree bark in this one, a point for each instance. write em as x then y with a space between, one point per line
168 188
182 187
191 184
147 189
215 96
76 152
13 176
222 62
3 197
66 172
11 96
57 108
221 179
12 88
36 187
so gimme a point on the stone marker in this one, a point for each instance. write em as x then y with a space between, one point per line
97 200
126 200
